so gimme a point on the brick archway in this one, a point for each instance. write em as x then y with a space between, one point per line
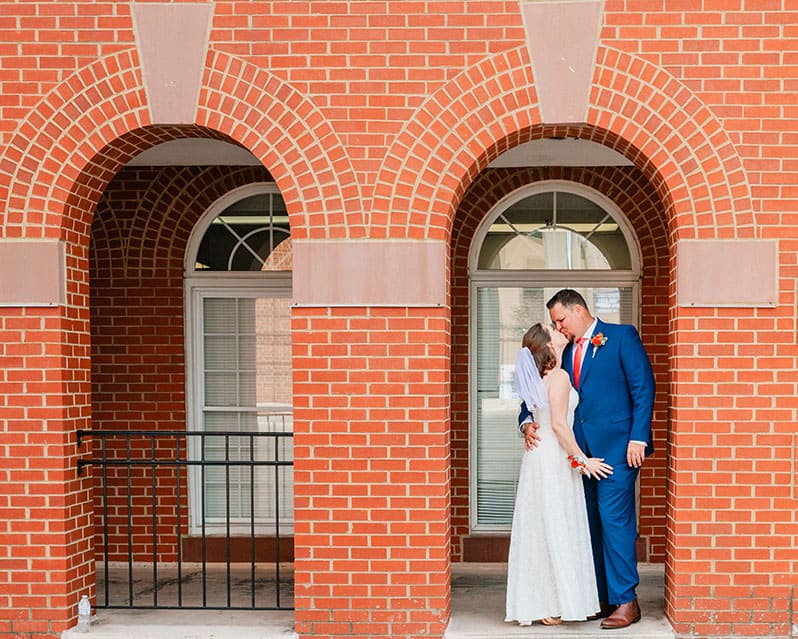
454 134
633 194
90 125
685 159
60 139
636 108
57 166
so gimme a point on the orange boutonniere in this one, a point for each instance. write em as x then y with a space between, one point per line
599 339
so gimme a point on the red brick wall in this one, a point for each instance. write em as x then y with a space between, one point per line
42 354
374 119
371 471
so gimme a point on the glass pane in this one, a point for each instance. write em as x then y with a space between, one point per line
273 355
220 352
251 235
245 347
503 316
221 389
219 315
554 230
218 421
272 485
245 307
247 381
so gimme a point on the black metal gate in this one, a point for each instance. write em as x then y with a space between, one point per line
142 514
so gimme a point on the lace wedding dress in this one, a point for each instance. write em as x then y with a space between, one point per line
550 569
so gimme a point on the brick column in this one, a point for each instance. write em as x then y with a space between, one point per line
45 536
731 488
372 532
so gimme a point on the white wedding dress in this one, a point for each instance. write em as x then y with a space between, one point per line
550 569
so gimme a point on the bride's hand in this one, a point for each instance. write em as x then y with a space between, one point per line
597 469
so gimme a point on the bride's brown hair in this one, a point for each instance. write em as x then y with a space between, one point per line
537 339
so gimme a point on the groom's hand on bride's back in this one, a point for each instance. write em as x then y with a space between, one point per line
531 437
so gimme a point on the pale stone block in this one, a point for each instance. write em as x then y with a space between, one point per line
172 43
562 38
727 273
369 273
33 273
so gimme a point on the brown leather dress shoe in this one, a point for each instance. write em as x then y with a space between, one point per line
624 615
605 611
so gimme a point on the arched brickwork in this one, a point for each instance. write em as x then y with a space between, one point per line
628 188
177 197
478 115
69 148
636 108
60 138
79 136
676 141
292 138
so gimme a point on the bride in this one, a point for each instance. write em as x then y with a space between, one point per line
550 573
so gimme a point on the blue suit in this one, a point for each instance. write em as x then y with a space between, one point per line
616 399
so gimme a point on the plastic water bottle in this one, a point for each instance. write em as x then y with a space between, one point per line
84 614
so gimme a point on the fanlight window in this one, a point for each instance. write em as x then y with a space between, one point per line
249 235
554 230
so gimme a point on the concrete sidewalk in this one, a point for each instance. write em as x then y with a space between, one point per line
478 592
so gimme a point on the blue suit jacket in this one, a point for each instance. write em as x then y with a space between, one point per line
616 394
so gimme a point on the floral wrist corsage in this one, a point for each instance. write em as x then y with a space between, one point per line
578 464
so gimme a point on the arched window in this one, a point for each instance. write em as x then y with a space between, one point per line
539 239
554 230
250 234
238 296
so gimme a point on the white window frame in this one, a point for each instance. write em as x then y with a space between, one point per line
197 286
539 278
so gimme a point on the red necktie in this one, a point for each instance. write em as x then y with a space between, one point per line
580 345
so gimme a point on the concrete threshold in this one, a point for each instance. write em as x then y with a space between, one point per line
478 599
478 592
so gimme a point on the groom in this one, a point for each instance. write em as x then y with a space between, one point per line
611 371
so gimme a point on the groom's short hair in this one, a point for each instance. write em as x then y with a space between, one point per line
569 298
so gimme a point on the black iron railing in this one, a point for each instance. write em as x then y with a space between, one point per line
225 492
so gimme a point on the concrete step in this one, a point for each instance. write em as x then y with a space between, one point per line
478 600
478 592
